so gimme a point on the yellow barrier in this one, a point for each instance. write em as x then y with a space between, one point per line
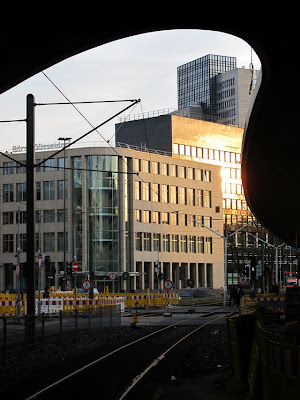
129 300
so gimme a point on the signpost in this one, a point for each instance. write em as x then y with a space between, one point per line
243 280
86 285
113 276
168 284
75 269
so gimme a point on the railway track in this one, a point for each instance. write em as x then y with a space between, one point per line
119 374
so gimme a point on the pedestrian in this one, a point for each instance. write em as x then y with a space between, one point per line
240 295
233 296
46 293
274 288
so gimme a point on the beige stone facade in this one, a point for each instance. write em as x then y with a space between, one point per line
126 211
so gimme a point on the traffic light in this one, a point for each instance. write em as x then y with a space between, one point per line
253 267
247 271
47 261
69 268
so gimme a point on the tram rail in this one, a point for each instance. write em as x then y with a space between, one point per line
139 358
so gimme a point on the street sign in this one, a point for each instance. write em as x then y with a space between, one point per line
168 284
112 276
243 280
125 275
86 285
17 269
75 266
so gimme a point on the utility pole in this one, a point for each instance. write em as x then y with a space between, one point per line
30 220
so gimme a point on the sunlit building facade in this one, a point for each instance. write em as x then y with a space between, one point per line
133 215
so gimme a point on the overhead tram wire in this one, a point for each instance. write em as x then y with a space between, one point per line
95 129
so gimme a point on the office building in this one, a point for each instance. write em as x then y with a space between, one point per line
136 214
212 88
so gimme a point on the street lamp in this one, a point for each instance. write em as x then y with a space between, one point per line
276 252
65 267
225 238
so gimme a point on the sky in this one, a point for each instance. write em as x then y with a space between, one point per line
140 67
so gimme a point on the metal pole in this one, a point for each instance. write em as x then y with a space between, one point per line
225 271
276 252
30 215
39 264
18 308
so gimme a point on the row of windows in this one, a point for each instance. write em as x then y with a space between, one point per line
41 216
50 165
177 171
226 83
17 192
226 93
48 242
159 217
235 204
209 154
157 192
145 241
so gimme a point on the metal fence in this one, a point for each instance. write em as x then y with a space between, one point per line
20 336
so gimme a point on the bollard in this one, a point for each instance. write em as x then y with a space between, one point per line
43 331
60 327
100 317
76 322
4 354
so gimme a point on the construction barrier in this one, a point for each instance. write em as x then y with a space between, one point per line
272 368
66 302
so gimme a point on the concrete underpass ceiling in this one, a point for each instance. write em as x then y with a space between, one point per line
270 155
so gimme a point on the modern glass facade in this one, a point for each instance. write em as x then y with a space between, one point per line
196 81
103 213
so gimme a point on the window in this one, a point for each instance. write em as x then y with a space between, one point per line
147 241
207 221
60 215
174 194
164 194
174 218
49 190
175 243
49 241
192 244
207 198
38 190
199 198
175 148
183 244
49 165
155 167
138 190
164 169
60 163
165 242
138 215
21 169
8 218
146 191
165 218
208 245
49 215
8 168
156 241
173 170
8 193
22 242
190 197
21 192
60 241
138 241
60 190
207 176
146 217
8 243
200 244
155 191
156 217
